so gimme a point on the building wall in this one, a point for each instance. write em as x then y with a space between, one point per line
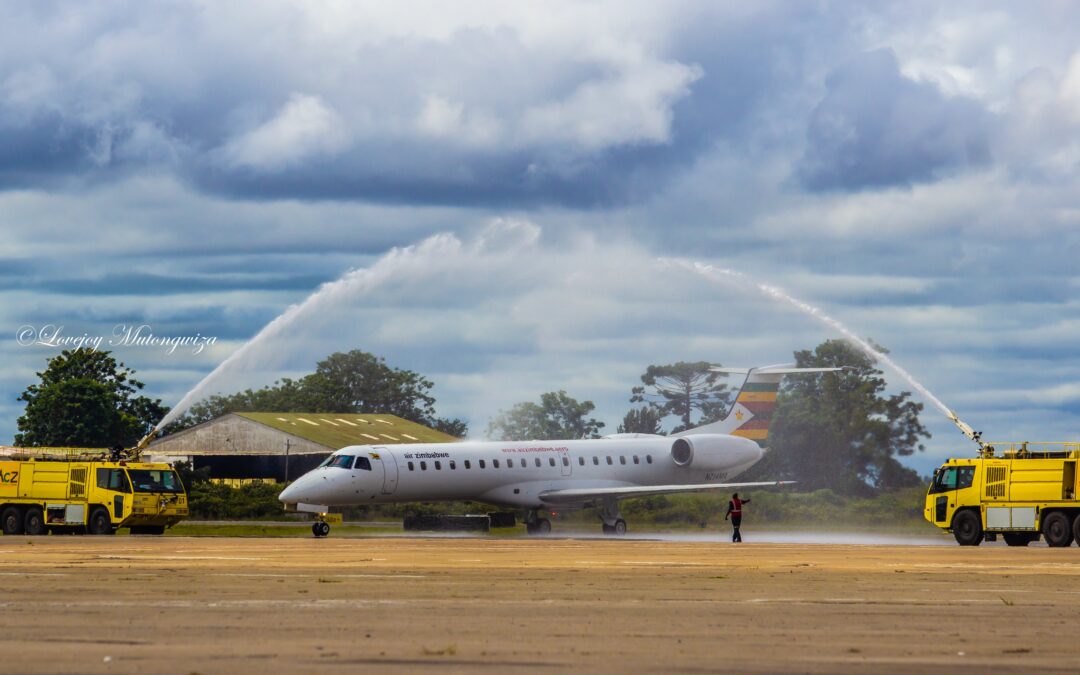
274 468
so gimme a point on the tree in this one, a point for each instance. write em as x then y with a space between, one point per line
557 416
344 382
453 427
682 388
643 420
838 430
86 399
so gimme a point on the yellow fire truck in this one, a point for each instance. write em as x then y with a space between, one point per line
1020 491
62 494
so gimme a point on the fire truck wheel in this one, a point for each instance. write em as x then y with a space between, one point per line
12 520
1057 530
967 529
99 522
1076 530
34 522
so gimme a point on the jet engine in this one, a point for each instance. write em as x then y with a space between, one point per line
682 452
714 452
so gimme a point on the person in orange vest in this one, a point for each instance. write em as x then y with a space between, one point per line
734 509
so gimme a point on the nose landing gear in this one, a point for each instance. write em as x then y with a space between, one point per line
321 527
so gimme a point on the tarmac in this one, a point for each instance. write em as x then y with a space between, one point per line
479 604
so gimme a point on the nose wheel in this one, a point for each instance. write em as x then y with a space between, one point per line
320 529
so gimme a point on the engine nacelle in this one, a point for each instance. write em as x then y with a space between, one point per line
714 451
682 452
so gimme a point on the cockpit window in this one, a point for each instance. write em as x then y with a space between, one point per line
341 462
363 463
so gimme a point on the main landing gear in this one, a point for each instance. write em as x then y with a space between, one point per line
536 525
612 519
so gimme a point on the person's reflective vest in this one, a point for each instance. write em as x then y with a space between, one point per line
736 508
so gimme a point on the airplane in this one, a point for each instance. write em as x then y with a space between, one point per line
553 475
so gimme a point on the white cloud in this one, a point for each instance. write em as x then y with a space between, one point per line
304 128
448 121
629 108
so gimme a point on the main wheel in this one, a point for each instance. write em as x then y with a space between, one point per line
1017 538
620 527
12 520
607 529
320 529
542 526
1057 529
99 522
967 529
34 521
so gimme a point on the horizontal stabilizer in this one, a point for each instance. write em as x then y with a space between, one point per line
774 370
575 496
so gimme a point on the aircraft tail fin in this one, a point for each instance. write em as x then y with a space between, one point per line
751 414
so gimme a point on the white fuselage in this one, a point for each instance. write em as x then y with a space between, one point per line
516 473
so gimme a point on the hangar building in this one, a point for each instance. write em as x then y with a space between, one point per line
279 447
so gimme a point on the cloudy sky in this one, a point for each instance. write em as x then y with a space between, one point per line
503 182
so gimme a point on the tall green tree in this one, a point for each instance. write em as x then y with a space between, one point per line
344 382
643 420
683 389
86 399
557 416
840 430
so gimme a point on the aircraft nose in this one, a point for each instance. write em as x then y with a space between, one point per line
288 495
297 492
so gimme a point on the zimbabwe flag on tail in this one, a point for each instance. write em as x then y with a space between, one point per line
752 411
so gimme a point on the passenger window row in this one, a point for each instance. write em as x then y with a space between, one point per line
510 463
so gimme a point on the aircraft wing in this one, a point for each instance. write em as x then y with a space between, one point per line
578 495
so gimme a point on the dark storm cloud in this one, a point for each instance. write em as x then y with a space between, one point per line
490 117
157 284
876 128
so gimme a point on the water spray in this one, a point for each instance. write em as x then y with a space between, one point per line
718 273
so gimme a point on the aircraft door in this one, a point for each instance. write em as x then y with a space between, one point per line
567 464
390 471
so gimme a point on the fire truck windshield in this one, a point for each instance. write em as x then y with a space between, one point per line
154 480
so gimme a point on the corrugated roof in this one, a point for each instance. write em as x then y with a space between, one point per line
336 430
